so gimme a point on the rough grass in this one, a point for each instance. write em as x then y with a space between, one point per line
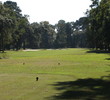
18 72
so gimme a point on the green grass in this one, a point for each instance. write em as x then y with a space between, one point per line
17 80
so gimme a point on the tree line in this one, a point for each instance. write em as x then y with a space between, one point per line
91 31
98 30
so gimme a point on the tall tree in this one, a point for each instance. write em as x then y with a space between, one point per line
61 39
79 33
98 26
35 36
48 33
43 35
69 32
21 22
6 26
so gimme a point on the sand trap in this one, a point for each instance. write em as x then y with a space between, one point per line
32 50
41 49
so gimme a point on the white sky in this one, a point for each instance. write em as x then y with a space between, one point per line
53 10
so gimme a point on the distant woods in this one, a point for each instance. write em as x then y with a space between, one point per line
92 31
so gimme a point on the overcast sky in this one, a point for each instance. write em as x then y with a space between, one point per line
53 10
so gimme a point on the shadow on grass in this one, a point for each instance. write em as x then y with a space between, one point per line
107 59
98 51
83 89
